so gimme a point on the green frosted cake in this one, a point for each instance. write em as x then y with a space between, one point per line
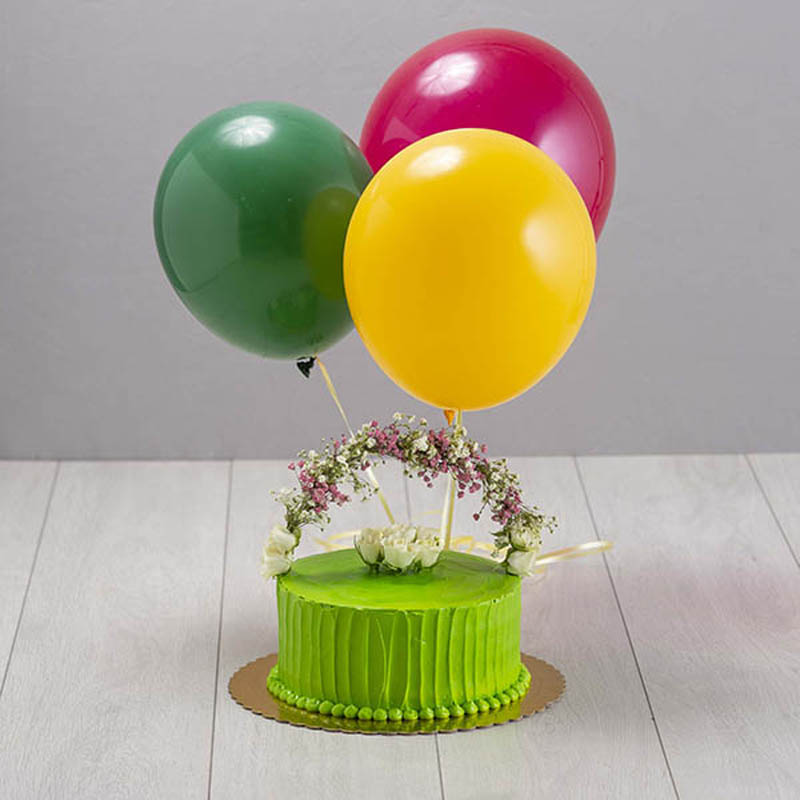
402 626
441 642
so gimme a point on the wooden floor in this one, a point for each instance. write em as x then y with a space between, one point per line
129 593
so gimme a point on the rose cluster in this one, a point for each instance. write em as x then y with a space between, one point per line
523 538
275 557
399 548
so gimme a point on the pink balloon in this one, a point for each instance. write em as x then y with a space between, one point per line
508 81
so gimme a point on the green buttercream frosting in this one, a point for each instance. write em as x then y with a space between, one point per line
342 578
443 641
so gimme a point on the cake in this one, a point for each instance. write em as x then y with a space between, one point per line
401 626
439 642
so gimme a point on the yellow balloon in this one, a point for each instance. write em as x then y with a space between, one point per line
469 266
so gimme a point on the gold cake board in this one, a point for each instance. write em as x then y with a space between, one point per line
248 687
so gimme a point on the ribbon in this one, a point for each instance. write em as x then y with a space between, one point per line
466 544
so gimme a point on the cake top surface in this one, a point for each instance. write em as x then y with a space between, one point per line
341 578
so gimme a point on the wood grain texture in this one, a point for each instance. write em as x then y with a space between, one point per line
712 601
25 488
598 740
255 757
779 477
110 689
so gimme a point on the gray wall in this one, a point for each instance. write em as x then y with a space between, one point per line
693 339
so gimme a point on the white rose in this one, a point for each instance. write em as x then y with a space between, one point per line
280 540
524 538
273 564
369 546
521 562
399 556
427 551
399 533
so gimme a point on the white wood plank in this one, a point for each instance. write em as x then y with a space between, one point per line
712 600
110 691
598 740
779 477
254 757
25 488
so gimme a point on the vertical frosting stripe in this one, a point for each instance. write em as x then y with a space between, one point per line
341 656
455 656
315 688
513 635
379 664
491 629
427 654
306 665
397 672
470 630
326 655
282 644
358 659
442 658
413 643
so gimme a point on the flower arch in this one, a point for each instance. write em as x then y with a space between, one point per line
325 477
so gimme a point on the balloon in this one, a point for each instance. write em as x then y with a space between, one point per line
469 266
506 81
250 218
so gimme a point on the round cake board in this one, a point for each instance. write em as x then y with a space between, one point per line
248 687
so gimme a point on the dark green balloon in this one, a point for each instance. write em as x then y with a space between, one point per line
250 219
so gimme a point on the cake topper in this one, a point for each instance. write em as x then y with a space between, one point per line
324 477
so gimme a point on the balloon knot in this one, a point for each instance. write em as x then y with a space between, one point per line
305 365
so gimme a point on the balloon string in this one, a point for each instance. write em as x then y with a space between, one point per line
449 499
370 473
